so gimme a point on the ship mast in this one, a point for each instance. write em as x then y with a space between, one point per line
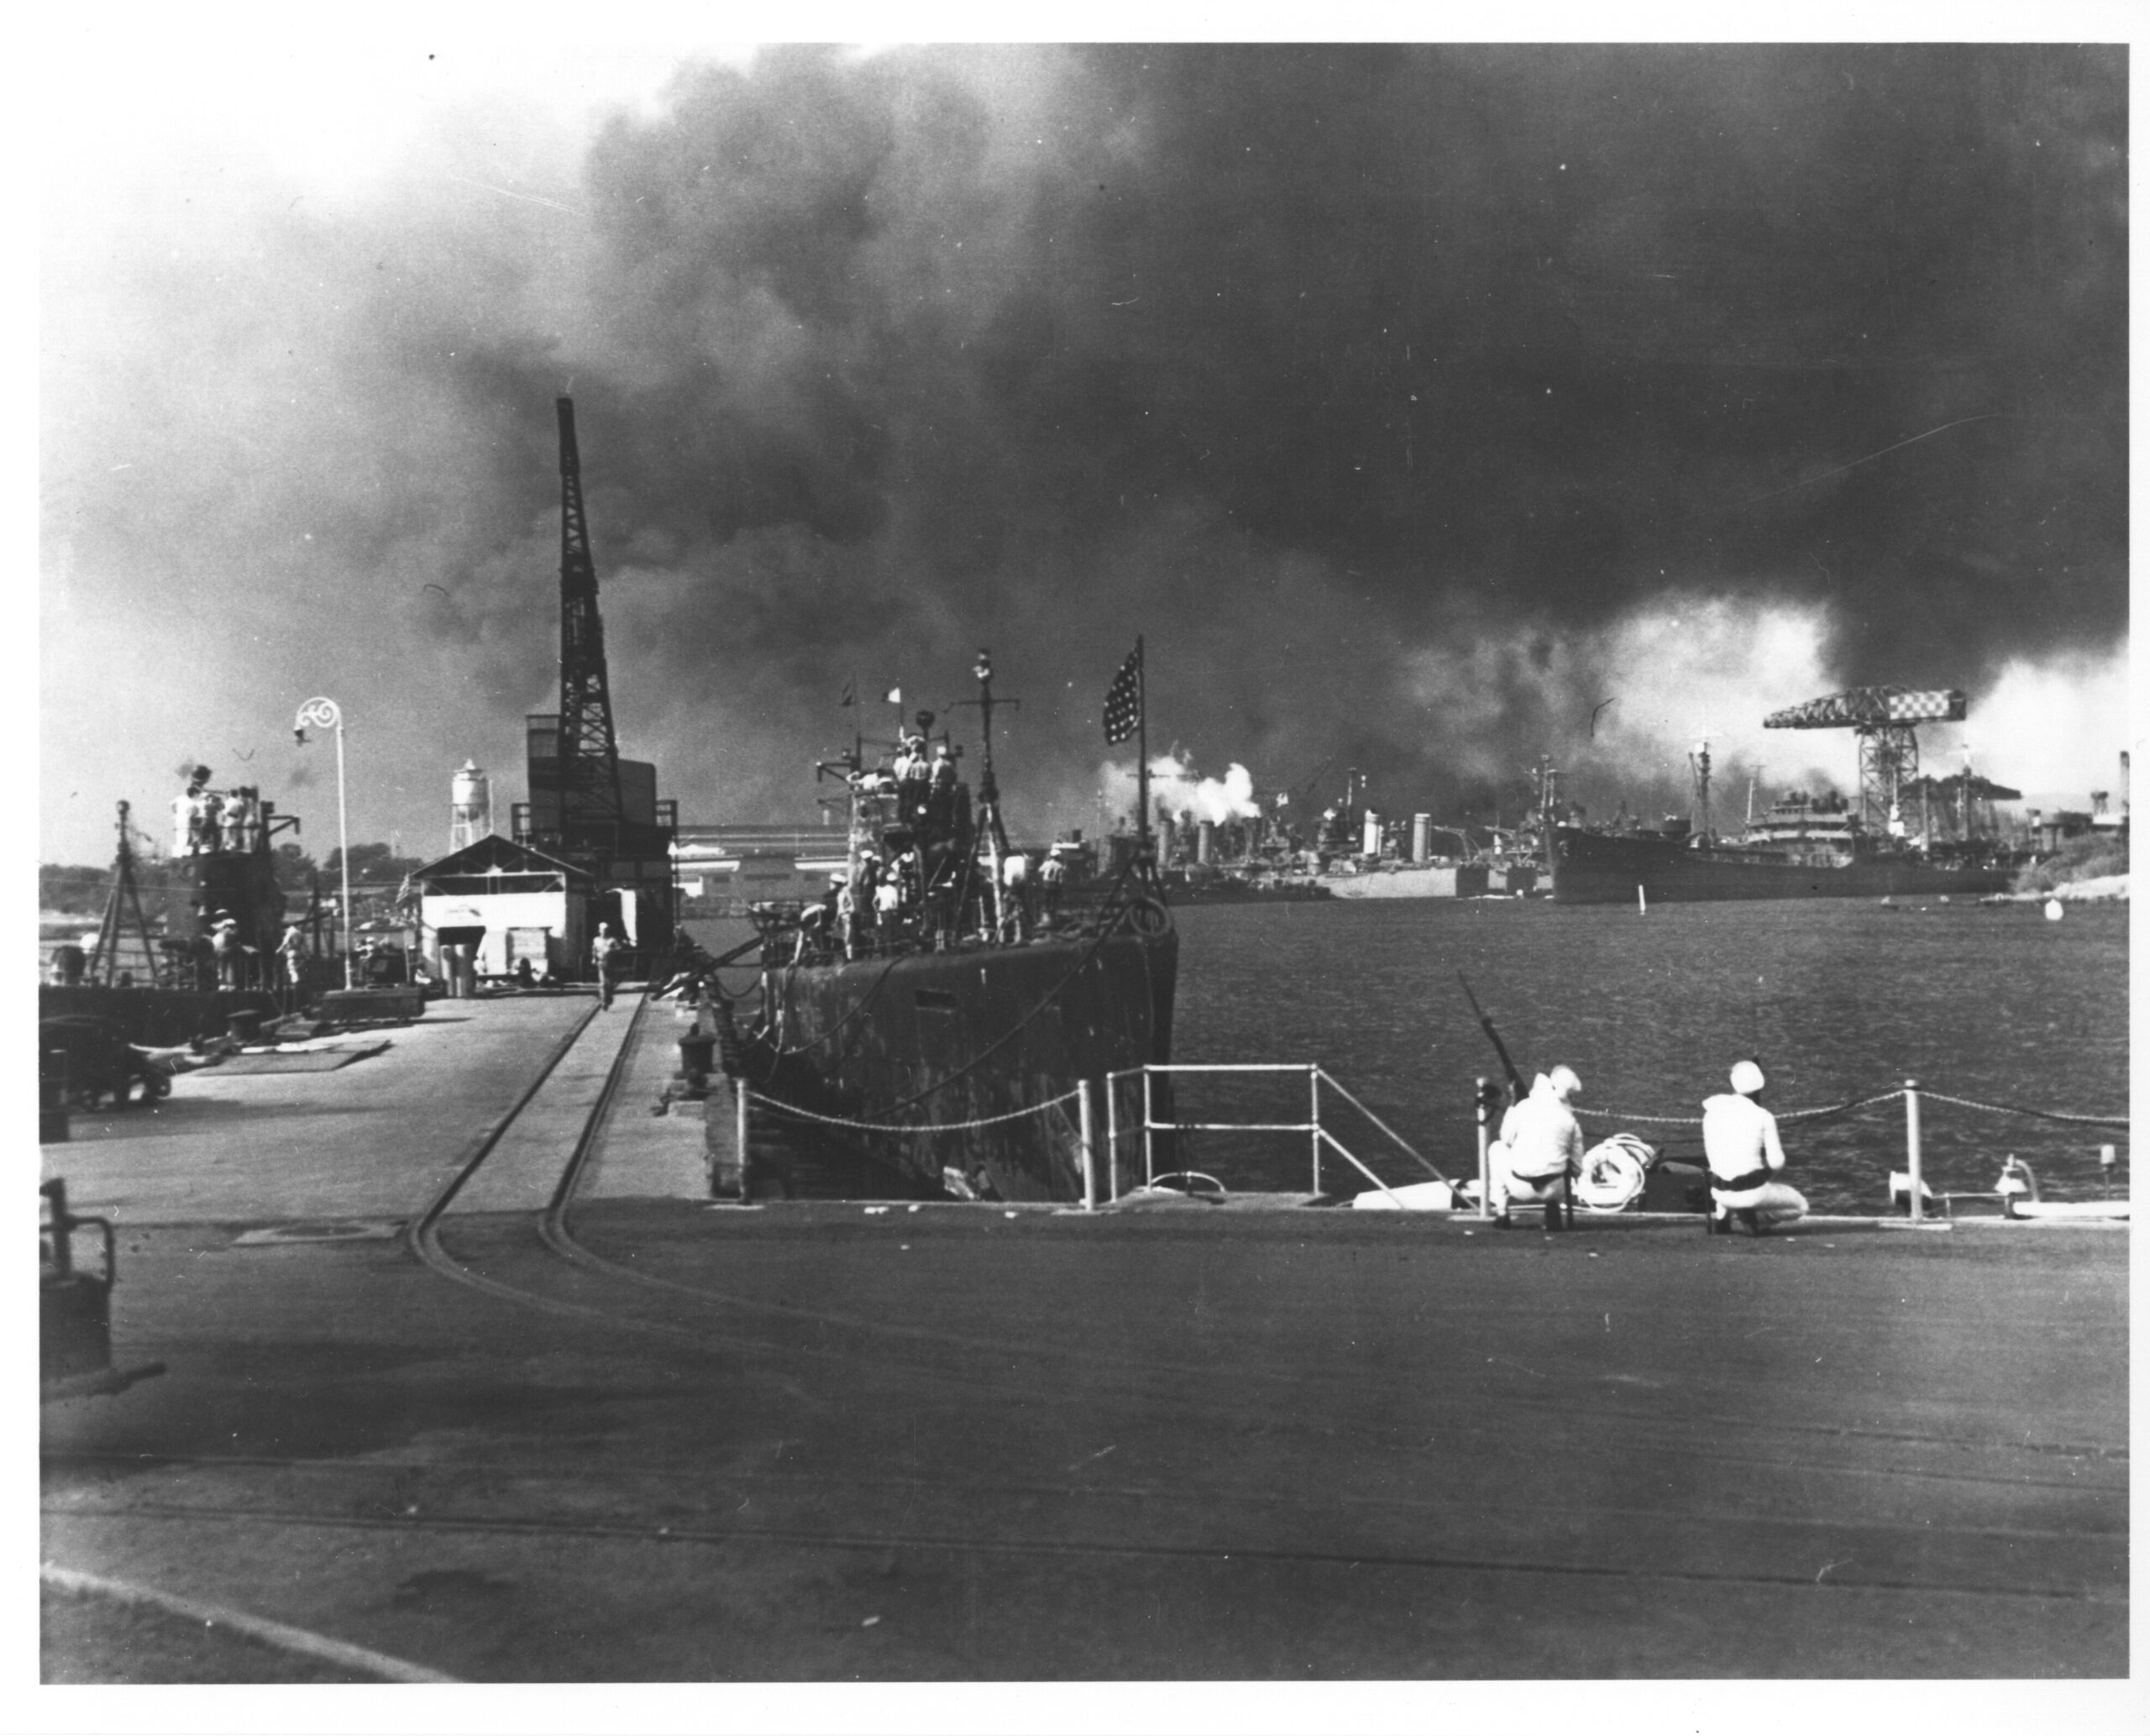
988 791
124 901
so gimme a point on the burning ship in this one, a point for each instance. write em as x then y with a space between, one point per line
919 1030
1892 846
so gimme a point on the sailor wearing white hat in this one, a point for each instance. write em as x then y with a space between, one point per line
291 949
229 949
1746 1158
1539 1148
604 955
846 907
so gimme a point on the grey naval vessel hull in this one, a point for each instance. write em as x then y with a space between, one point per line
1603 867
888 1077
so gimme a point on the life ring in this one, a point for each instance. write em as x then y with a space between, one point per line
1613 1173
1148 918
1194 1183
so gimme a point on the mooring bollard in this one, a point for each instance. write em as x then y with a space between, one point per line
1089 1145
1485 1107
1911 1148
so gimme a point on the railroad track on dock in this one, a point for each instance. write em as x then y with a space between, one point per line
424 1234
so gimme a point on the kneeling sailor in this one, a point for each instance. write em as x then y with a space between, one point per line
1539 1147
1745 1158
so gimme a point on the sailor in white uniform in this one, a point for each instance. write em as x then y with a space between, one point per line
1745 1158
1539 1147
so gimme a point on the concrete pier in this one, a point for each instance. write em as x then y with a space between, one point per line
822 1442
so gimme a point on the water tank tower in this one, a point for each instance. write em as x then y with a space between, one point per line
470 808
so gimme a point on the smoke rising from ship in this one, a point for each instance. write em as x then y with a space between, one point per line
1400 396
1177 788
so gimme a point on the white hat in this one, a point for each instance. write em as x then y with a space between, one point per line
1747 1078
1564 1081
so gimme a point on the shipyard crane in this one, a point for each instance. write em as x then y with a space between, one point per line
1302 795
588 806
587 753
1885 720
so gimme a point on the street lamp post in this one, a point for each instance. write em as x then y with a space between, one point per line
324 713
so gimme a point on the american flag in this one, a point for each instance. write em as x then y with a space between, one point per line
1124 699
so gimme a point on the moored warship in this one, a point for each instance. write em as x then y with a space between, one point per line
915 1032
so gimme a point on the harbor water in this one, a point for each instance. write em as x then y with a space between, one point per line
1839 998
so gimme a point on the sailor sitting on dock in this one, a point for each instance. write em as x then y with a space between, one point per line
1745 1158
1539 1147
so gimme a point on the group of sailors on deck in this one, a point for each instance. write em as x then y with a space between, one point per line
211 822
913 880
1540 1152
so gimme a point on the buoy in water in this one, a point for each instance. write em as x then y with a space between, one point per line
2055 910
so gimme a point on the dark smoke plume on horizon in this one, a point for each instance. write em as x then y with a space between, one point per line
1410 401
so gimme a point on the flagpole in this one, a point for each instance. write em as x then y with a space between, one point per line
1142 748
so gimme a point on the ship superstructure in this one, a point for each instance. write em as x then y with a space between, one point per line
917 1029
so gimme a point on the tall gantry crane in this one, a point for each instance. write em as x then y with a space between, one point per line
1885 720
588 805
587 765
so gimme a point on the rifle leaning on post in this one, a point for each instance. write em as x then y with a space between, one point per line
1486 1024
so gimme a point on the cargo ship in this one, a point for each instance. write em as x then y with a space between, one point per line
1801 848
916 1031
1896 844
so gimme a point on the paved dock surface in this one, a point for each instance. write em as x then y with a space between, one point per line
818 1442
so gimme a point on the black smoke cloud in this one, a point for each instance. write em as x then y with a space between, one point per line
1297 355
1336 371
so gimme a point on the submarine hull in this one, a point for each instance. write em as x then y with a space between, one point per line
872 1078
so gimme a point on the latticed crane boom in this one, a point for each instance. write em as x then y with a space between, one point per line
1885 720
1874 708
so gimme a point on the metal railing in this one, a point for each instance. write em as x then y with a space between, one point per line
1918 1202
1318 1135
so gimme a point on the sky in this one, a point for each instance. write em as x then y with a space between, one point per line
1426 409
